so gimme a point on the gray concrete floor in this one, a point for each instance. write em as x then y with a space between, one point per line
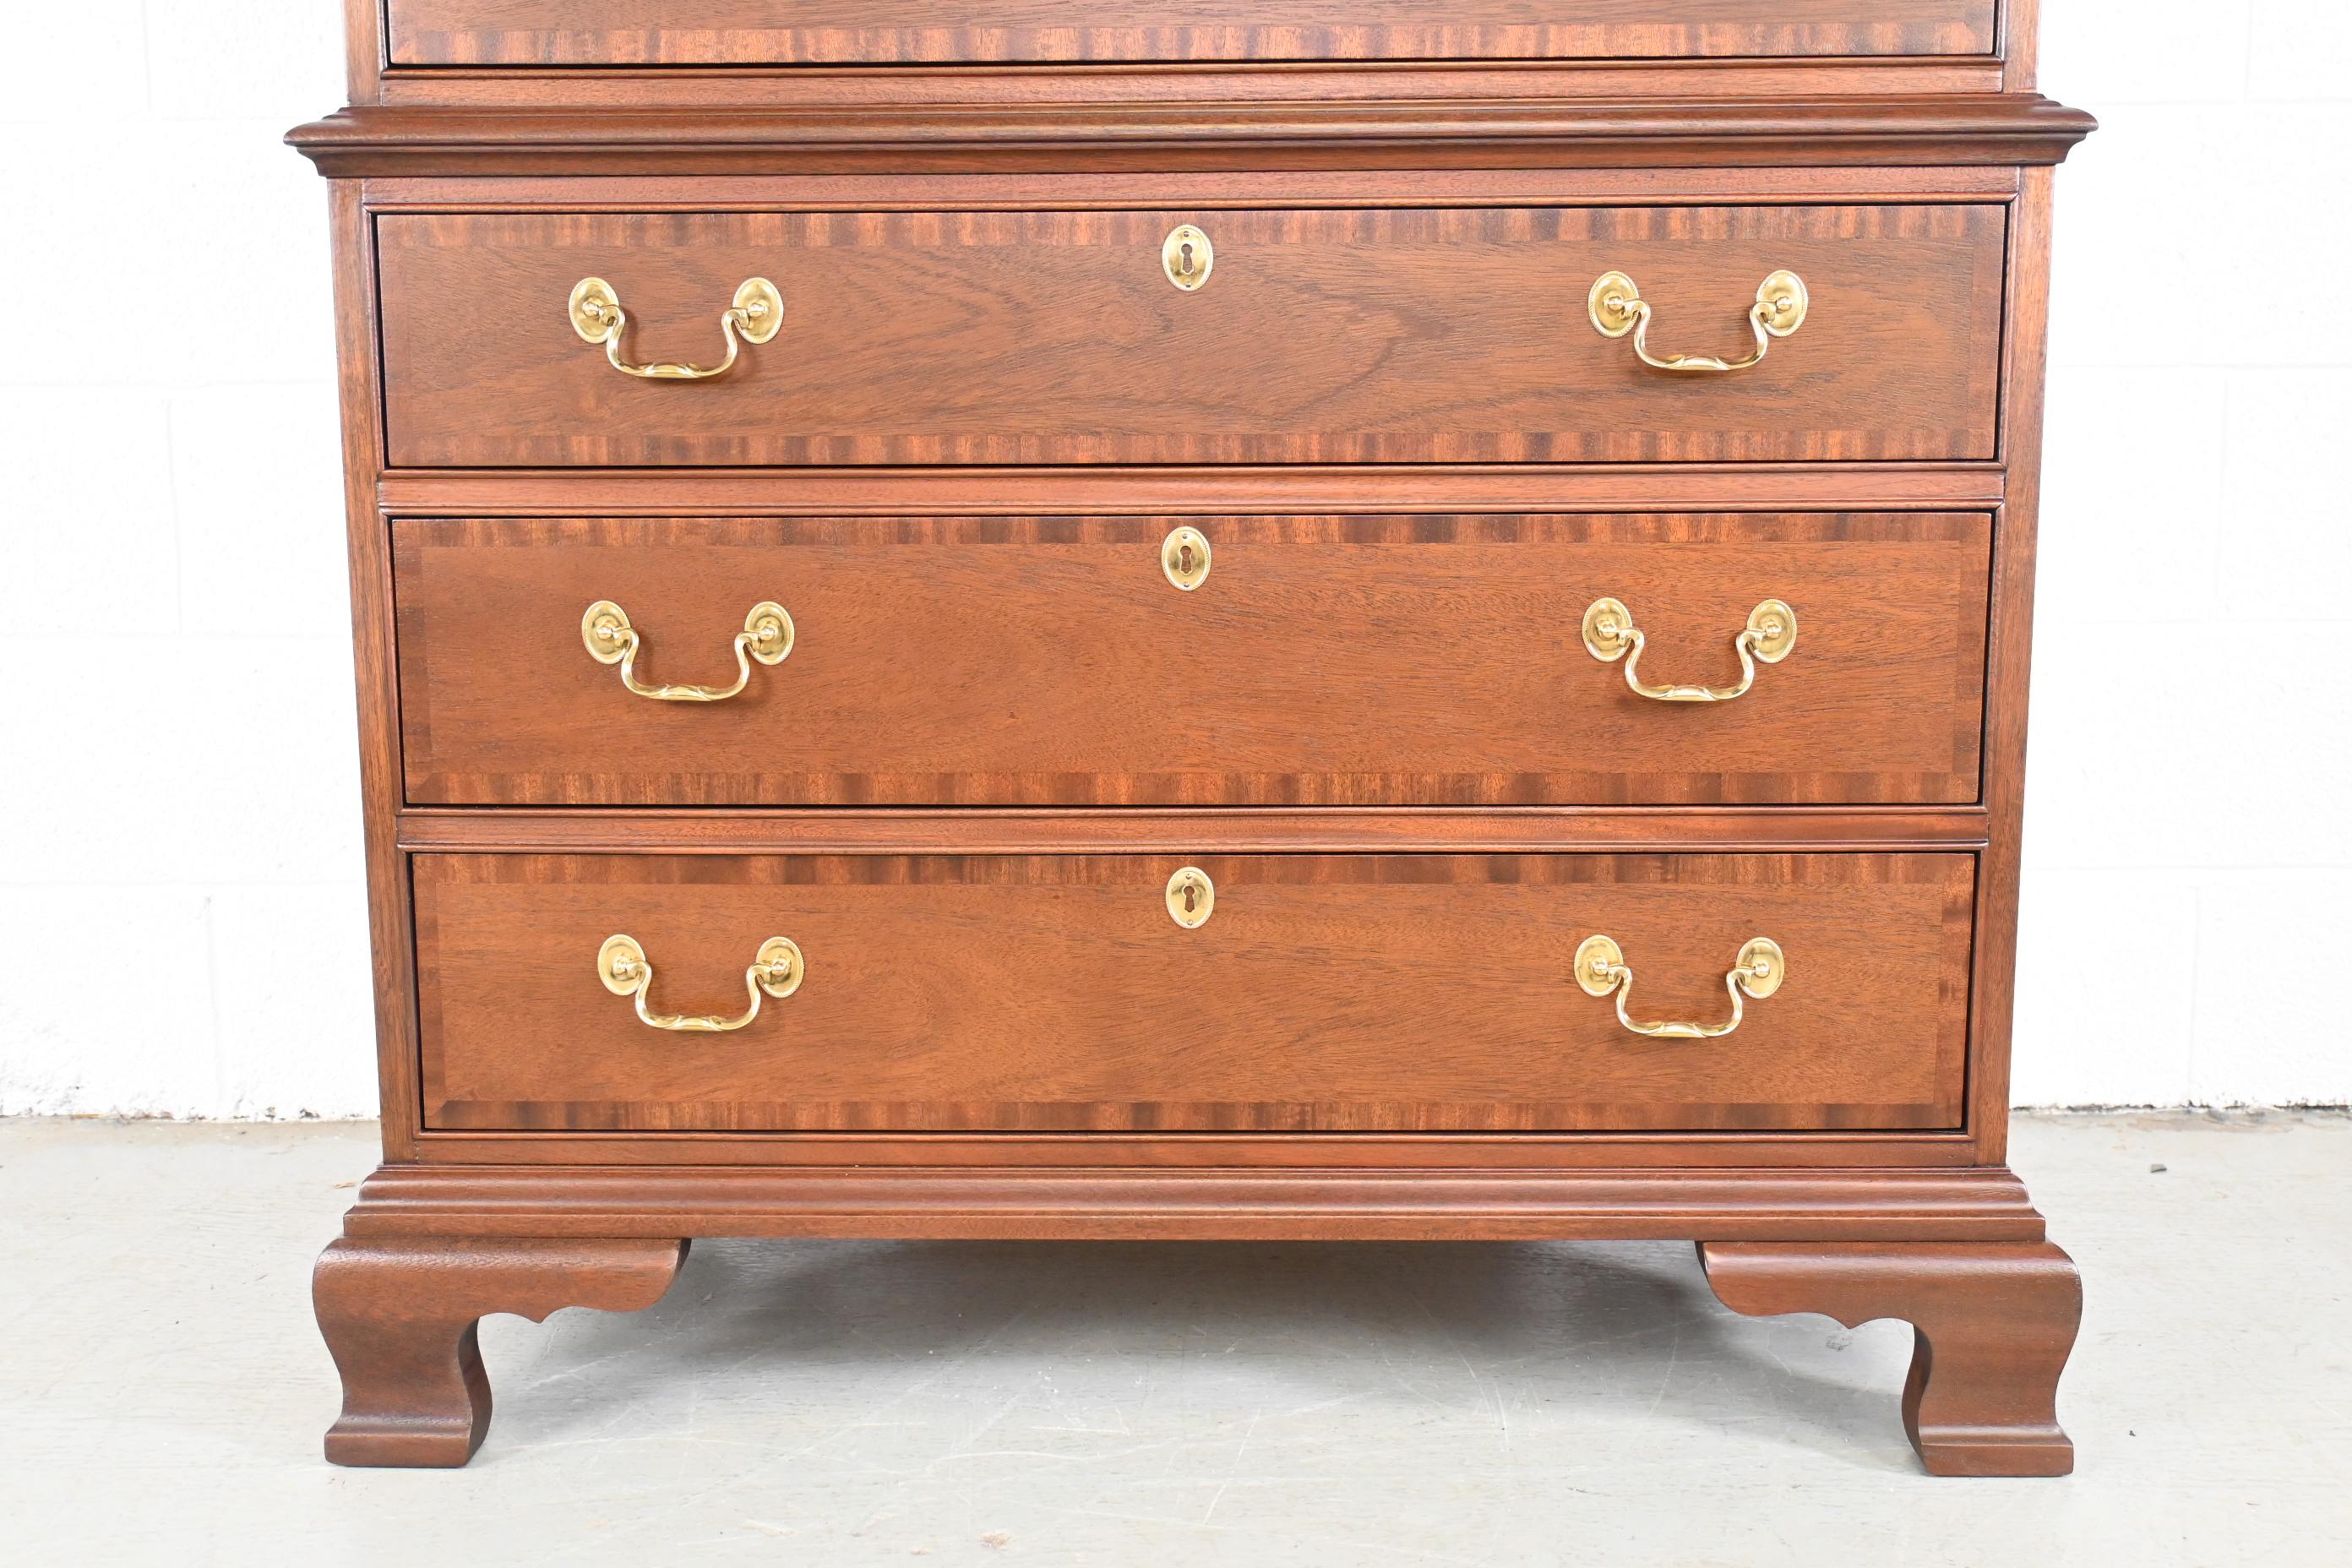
162 1391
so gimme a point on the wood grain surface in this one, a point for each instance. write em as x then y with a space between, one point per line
1993 1327
1094 83
1375 727
820 32
1189 830
1360 993
1191 493
1325 661
1427 335
400 1318
1416 124
2008 672
391 950
1345 1195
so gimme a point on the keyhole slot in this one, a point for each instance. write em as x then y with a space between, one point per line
1188 257
1192 898
1184 558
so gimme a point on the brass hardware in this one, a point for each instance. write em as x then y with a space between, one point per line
767 636
756 316
1188 257
1192 898
1610 635
776 971
1617 308
1758 972
1184 557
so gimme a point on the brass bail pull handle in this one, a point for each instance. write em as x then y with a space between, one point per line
776 971
1617 308
756 316
1601 968
767 637
1610 635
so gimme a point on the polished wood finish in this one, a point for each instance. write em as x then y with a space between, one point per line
975 1161
1230 489
1885 131
1331 660
375 661
1241 830
2010 646
399 1314
1355 993
1375 725
1387 336
1345 1196
1089 85
539 33
1229 189
1993 1325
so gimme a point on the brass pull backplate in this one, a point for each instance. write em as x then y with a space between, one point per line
1616 307
756 315
767 637
776 971
1600 968
1610 635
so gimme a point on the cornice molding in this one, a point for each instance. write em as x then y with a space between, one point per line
2003 129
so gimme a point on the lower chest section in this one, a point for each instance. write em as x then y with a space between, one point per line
1099 677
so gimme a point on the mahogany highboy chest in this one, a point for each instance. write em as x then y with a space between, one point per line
1024 620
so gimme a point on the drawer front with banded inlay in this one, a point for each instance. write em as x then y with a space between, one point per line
529 33
1115 993
1668 334
1305 660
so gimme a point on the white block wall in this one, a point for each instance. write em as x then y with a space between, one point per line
2189 831
181 910
182 929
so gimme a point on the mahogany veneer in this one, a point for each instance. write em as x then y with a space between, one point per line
400 1317
1327 992
1397 336
1331 660
1004 736
1993 1327
900 32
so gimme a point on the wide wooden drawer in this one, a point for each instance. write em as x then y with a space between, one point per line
911 32
1421 335
1322 993
1341 660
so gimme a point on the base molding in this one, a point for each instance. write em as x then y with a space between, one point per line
1126 1204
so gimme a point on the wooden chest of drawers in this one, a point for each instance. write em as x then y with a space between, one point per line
1074 621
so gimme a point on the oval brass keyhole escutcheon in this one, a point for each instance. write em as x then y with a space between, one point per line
1188 257
1184 557
1192 898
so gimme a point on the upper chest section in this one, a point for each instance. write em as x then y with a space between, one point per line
666 33
850 53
